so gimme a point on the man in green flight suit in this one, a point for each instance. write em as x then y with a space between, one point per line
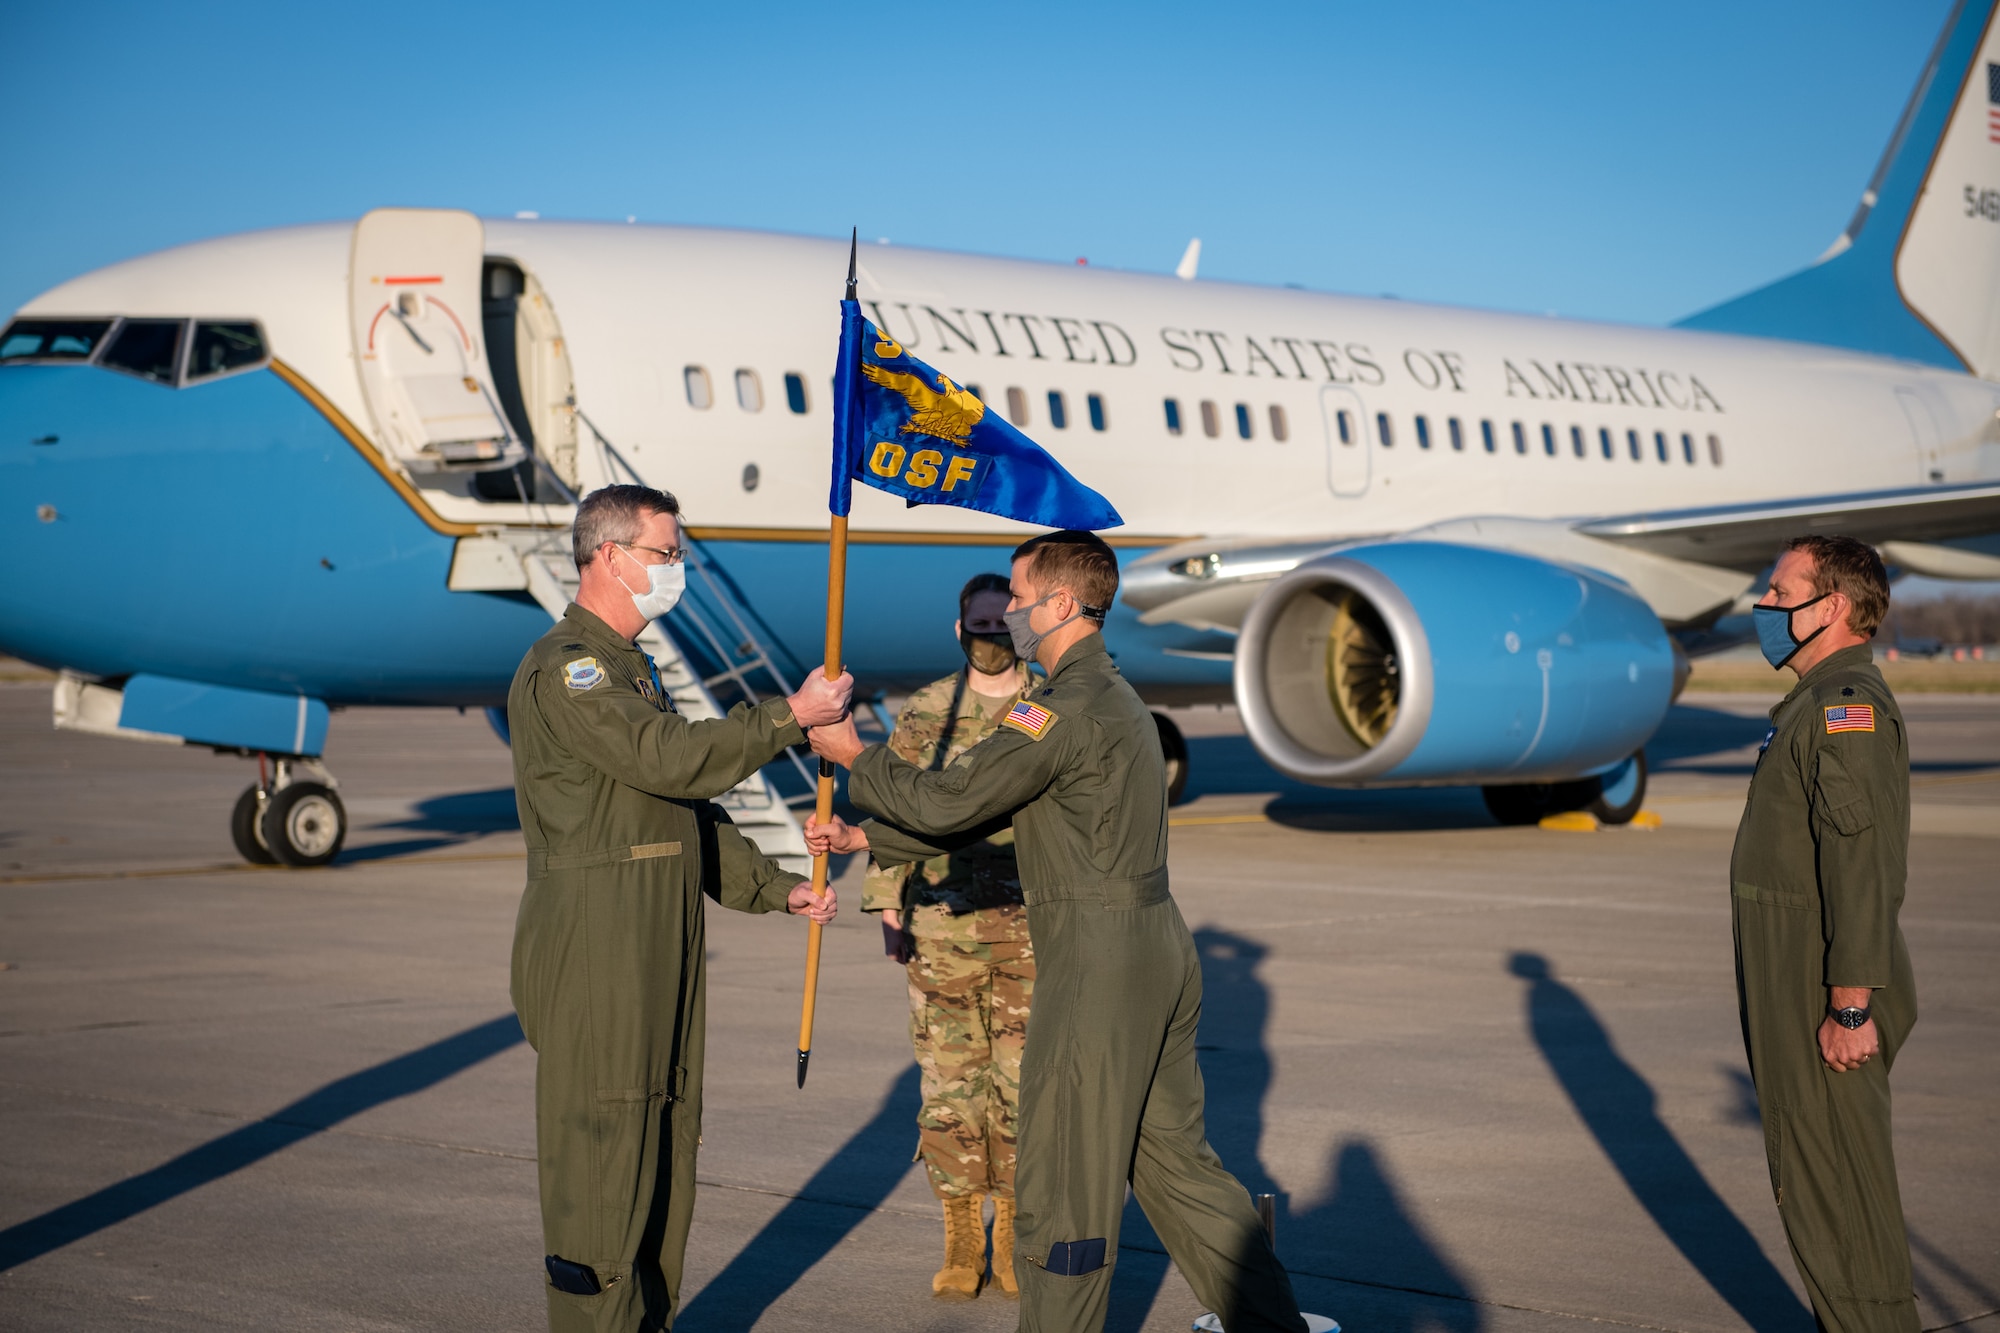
1823 979
608 977
958 923
1110 1090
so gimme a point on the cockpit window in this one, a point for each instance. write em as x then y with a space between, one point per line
222 347
148 348
52 339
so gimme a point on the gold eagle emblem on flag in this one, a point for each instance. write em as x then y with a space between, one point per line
947 412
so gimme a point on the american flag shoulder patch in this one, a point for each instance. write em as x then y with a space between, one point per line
1029 719
1850 717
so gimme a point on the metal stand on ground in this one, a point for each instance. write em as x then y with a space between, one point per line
1267 1213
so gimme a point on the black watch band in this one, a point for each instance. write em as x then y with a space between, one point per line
1850 1018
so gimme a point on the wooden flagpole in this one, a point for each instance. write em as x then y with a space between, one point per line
836 606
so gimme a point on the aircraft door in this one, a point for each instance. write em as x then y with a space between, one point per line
1924 431
1347 451
531 372
414 303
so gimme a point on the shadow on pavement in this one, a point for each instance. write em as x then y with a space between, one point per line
1362 1227
339 1100
1619 1108
855 1181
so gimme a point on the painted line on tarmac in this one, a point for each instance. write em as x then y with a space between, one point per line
237 868
1187 821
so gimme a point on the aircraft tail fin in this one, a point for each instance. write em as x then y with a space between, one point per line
1917 272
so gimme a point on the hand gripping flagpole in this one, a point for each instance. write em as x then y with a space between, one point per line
836 600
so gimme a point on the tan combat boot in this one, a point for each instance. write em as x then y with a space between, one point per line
1003 1247
964 1250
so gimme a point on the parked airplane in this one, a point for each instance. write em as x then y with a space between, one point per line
256 479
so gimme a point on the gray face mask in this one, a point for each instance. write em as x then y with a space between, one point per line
1027 641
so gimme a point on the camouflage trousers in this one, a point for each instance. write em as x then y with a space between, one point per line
968 1023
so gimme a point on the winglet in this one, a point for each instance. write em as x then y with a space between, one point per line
1190 260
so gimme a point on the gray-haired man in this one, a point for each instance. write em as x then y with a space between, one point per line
614 790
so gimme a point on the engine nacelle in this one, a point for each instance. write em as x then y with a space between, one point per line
1424 662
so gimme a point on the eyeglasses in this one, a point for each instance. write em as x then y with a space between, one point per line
673 555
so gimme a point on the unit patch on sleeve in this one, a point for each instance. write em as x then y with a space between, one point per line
1850 717
1029 719
583 673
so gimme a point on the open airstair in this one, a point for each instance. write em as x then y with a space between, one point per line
755 805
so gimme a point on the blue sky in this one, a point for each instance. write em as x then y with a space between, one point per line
1620 161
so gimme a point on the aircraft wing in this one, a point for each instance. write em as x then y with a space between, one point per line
1745 537
1690 565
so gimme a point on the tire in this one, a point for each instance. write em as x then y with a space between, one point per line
1517 804
243 830
1621 792
304 824
1174 746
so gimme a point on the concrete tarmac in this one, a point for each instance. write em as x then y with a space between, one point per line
1494 1075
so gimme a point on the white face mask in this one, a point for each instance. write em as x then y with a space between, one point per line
664 585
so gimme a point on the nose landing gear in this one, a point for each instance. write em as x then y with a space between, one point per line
291 817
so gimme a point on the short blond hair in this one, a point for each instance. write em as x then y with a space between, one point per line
1852 569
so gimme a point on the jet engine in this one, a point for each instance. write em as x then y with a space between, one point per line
1409 663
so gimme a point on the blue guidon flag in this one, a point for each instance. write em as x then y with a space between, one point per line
907 429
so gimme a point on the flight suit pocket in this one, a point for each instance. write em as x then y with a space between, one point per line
630 1126
1839 798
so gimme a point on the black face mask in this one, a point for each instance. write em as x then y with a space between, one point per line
990 653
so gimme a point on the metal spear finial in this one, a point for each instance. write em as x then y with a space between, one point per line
853 245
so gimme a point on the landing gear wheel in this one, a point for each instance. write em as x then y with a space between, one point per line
243 830
1613 798
304 824
1518 804
1531 802
1174 746
1620 792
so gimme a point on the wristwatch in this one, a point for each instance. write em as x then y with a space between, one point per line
1850 1018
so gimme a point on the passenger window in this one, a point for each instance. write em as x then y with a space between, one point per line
1243 422
1604 441
1383 431
52 339
1095 402
1687 448
1457 436
1660 444
1423 433
749 391
1632 442
1211 420
1520 439
1173 406
1576 441
1345 425
220 348
795 392
1486 436
1281 429
1058 410
1017 407
700 396
1548 439
1715 450
148 348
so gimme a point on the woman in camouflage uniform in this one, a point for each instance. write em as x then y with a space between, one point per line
958 923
